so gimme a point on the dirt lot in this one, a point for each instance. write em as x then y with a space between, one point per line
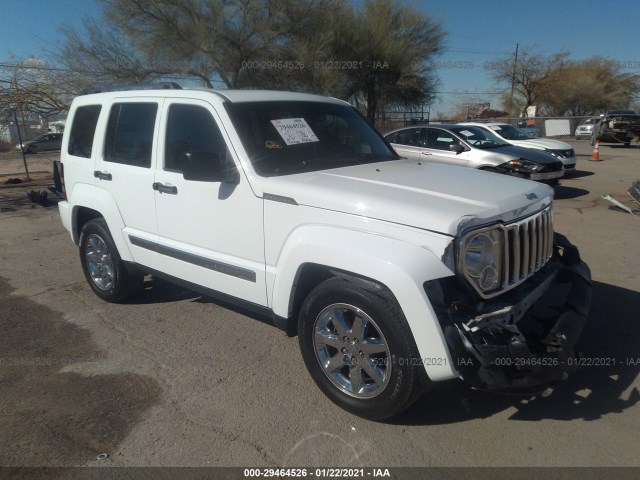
176 379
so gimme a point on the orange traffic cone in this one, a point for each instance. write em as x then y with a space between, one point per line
596 153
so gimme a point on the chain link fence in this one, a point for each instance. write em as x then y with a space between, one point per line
540 126
15 165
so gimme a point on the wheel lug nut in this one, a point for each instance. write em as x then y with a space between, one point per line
345 339
344 350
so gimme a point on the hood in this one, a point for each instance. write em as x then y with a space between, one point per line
429 196
532 154
548 143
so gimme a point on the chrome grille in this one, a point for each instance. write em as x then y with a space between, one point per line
528 246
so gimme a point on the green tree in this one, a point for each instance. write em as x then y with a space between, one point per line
244 43
585 87
387 48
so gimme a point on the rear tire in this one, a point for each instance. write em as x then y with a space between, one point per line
359 350
103 268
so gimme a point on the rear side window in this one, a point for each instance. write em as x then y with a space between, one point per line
83 130
130 133
411 137
191 129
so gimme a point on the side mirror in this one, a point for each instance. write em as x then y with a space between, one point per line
456 148
208 167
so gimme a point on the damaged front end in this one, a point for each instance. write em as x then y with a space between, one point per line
523 340
618 128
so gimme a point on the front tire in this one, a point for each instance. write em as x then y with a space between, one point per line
103 268
359 350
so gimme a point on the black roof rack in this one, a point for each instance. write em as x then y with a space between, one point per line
133 86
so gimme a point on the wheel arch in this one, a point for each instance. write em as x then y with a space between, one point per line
90 203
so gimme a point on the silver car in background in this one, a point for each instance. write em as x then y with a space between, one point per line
585 129
474 147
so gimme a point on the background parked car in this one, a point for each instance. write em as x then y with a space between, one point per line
585 129
42 143
471 146
515 136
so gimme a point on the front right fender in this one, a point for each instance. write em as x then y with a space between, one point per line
401 266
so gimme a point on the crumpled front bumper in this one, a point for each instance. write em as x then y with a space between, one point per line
524 342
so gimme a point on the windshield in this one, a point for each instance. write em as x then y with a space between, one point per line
284 138
478 137
510 132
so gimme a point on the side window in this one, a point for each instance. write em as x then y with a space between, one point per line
192 131
130 133
409 137
440 140
83 130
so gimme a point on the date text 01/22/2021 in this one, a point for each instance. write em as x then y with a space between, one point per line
317 472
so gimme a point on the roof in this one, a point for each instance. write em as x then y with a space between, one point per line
233 96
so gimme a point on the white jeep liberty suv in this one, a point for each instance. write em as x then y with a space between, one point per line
394 273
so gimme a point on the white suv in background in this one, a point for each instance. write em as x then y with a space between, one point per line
515 136
394 273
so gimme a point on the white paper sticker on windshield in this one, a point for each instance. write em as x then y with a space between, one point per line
495 127
466 133
294 131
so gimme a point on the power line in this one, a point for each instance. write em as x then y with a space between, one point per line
488 52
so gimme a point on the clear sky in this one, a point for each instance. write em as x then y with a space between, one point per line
479 31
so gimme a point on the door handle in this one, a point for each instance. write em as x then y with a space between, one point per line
102 175
170 189
426 153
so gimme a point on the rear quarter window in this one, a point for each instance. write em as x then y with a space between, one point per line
130 131
83 130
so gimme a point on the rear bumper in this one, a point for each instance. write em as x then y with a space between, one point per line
65 216
526 342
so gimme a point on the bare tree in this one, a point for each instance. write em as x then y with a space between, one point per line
529 75
30 86
101 53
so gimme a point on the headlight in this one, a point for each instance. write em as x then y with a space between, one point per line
555 154
480 258
522 166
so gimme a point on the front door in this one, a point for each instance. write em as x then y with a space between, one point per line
210 232
438 143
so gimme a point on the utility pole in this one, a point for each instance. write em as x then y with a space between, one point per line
513 75
24 159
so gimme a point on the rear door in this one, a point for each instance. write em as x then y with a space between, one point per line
124 170
408 143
